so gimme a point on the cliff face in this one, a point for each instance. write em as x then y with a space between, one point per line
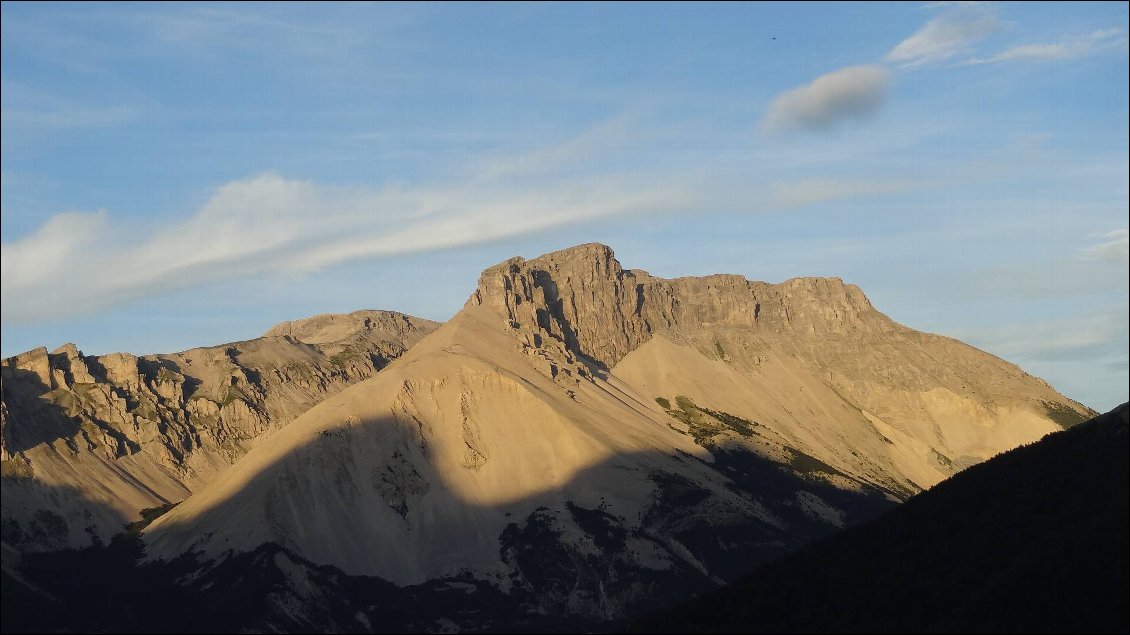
582 298
810 356
113 434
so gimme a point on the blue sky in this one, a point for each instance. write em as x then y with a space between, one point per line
182 175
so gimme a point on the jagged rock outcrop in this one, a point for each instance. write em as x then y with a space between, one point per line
584 299
90 441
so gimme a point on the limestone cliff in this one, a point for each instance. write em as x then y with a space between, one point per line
87 442
810 357
584 299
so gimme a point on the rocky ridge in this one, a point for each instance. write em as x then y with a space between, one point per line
88 442
582 298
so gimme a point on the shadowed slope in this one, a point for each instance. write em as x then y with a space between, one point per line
1034 540
556 564
137 432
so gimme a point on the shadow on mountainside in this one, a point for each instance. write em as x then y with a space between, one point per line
31 419
38 516
561 566
1033 540
35 540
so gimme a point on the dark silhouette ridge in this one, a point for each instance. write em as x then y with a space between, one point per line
556 583
1033 540
24 605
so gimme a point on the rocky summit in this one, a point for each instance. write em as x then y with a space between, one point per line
580 444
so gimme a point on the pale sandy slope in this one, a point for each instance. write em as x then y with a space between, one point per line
542 391
464 434
894 435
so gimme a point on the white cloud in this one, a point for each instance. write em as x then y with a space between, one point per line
77 263
24 110
1114 247
1101 267
47 252
852 93
1084 355
1079 337
946 36
1098 41
597 141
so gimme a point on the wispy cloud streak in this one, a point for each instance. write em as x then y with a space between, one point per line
80 262
950 34
1097 42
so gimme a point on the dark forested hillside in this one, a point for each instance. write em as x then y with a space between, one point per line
1034 540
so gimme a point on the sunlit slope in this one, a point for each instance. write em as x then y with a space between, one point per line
415 473
569 383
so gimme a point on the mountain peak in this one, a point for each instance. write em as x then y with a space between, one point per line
580 259
582 298
584 250
326 328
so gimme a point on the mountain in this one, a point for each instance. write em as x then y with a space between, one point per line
579 445
89 442
590 441
1034 540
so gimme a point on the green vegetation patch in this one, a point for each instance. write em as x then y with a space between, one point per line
742 426
347 357
233 393
148 515
807 464
686 404
705 423
1064 416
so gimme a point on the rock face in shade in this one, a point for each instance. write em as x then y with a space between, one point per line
584 441
88 442
1033 540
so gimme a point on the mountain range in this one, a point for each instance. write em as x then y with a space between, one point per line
579 445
